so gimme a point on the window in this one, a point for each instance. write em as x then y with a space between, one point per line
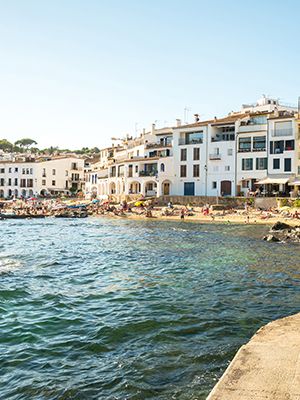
9 170
44 182
136 168
194 137
245 144
67 173
150 186
2 182
16 181
214 185
183 154
289 145
277 147
23 183
9 181
287 165
259 143
276 163
53 183
23 171
2 170
283 128
247 164
53 172
44 173
30 183
196 154
261 163
16 169
31 171
27 171
196 170
162 167
230 152
183 171
227 167
228 129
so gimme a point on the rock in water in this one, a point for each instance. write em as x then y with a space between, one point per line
271 238
280 226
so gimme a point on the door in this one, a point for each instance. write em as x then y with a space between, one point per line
166 189
189 189
226 188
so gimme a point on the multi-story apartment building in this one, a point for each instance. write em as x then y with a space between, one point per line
27 177
253 148
17 178
59 175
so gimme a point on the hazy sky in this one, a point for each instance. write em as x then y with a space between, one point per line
77 72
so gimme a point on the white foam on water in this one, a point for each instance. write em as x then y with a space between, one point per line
8 265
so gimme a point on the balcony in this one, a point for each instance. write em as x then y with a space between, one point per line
244 150
281 132
186 141
157 145
259 149
148 173
253 128
215 157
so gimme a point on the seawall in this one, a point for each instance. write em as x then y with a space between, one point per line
267 367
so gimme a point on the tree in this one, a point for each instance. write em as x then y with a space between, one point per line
5 145
26 142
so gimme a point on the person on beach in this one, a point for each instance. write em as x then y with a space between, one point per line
182 212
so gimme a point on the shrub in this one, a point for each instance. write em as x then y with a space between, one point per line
296 203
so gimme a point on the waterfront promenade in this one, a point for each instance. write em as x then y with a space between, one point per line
268 367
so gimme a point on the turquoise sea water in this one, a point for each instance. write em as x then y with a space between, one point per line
116 309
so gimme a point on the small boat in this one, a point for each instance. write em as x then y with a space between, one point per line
73 215
19 216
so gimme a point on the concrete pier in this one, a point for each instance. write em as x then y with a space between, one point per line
267 367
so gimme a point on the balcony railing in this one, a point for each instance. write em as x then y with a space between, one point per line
185 141
244 150
148 173
215 157
282 132
158 145
259 149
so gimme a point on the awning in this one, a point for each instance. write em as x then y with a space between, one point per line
276 181
296 182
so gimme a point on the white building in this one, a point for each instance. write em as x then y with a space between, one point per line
25 177
252 148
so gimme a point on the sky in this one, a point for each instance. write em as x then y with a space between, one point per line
75 73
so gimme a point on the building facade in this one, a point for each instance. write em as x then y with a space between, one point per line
26 177
255 147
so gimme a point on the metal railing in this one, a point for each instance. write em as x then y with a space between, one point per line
281 132
148 173
186 141
215 157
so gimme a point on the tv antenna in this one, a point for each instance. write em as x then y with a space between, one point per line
186 114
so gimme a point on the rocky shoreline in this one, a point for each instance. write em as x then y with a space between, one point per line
282 232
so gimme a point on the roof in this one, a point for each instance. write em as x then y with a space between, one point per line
230 119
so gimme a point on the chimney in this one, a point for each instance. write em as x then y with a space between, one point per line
197 118
215 119
178 122
153 128
144 131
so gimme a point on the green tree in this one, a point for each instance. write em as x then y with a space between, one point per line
5 145
25 143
